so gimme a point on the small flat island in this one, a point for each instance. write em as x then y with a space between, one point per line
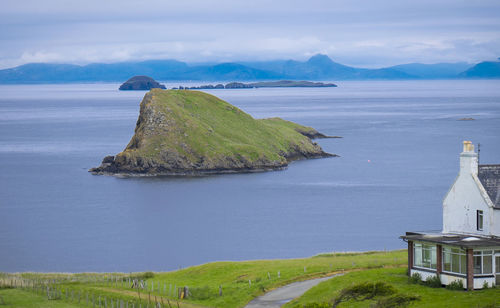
141 83
191 133
264 84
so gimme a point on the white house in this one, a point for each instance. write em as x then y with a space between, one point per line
468 247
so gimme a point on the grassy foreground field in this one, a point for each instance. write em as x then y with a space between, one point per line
396 277
239 282
19 298
232 284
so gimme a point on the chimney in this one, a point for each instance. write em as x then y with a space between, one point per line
468 159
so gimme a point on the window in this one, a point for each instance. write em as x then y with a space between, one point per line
479 218
483 262
424 255
454 260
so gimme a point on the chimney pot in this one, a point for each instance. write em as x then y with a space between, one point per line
468 146
468 159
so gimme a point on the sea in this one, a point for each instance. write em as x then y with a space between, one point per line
398 156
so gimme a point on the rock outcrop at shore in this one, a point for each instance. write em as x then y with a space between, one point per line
141 83
190 132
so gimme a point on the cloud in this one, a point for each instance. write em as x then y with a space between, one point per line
362 33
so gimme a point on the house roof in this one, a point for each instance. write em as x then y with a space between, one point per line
489 175
462 240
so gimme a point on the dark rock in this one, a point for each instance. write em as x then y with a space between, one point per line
140 83
108 159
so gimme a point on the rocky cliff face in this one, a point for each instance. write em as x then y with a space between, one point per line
189 132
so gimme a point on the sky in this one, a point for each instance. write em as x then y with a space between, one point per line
370 33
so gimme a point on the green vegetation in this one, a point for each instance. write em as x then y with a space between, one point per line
280 124
193 132
218 284
375 279
434 282
456 285
363 291
19 298
406 293
415 278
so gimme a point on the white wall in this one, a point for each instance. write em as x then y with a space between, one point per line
447 279
423 274
464 199
479 282
495 222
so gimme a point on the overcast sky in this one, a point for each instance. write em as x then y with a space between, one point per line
360 33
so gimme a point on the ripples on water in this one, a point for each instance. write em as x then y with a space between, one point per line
399 155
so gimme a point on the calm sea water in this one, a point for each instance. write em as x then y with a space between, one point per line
399 155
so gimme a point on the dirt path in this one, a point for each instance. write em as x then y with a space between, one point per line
283 295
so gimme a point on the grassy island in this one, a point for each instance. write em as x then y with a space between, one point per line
190 132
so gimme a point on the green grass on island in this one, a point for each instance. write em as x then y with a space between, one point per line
181 131
240 282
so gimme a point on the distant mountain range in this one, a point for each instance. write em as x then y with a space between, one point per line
318 67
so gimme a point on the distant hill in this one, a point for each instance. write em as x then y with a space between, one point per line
485 70
318 67
433 71
60 73
321 67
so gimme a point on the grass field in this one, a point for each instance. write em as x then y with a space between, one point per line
396 277
240 282
19 298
